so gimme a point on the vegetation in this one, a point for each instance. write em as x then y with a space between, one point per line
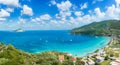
106 62
12 56
109 28
106 28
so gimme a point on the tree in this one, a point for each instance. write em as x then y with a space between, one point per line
106 57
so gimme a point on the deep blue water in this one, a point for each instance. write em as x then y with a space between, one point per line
55 40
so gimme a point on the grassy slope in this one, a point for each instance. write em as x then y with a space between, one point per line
106 62
12 56
107 27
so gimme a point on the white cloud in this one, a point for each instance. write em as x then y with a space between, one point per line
78 13
84 6
9 9
63 6
57 16
64 10
53 2
45 17
67 18
21 21
65 14
33 20
73 21
118 2
2 19
14 3
38 21
86 19
110 11
98 13
62 15
94 1
53 22
27 10
4 14
42 18
113 12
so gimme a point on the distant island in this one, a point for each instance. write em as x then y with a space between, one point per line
19 30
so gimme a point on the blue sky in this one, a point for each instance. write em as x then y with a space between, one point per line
55 14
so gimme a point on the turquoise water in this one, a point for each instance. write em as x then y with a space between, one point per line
56 40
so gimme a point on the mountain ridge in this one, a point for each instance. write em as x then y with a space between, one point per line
103 28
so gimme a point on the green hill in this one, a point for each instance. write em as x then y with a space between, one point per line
9 55
103 28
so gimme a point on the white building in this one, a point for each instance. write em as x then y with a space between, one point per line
115 63
99 59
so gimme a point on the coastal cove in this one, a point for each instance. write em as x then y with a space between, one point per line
54 40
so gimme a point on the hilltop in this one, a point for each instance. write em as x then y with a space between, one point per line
102 28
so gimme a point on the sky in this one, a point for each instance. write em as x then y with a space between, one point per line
55 14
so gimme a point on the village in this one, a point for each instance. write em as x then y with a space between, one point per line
107 56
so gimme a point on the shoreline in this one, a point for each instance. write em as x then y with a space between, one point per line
93 53
78 56
88 58
75 54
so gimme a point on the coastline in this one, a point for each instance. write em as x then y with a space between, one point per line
102 48
101 53
103 43
107 41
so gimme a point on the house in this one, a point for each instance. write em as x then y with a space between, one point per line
68 54
84 60
116 62
90 62
74 60
112 58
61 58
101 52
99 59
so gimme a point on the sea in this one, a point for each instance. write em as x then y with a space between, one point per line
37 41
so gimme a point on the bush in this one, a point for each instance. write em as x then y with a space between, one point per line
106 57
68 62
97 63
79 63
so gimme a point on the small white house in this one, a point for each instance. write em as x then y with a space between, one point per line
90 62
99 59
